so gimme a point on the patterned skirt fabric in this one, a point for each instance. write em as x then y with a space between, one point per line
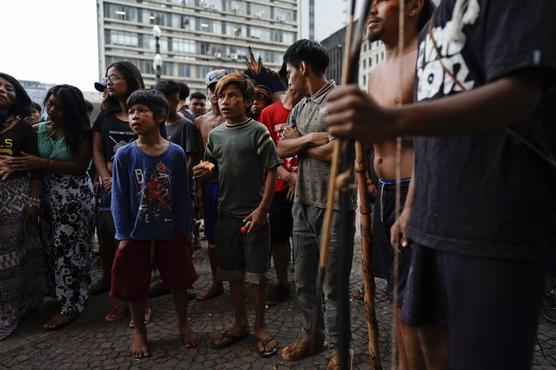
67 227
22 267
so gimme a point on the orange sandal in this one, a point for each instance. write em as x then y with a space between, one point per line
118 312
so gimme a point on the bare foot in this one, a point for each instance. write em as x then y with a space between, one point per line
189 337
59 320
138 348
213 291
266 345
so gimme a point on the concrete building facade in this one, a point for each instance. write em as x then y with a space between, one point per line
371 54
197 35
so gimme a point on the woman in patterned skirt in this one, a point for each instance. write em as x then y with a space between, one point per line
68 210
22 271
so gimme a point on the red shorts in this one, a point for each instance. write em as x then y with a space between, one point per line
131 271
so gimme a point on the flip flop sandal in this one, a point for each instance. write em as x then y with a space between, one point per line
117 313
147 319
226 339
264 342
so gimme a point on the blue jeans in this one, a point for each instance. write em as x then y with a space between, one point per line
307 227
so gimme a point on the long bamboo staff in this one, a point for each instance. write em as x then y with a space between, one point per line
397 245
348 76
366 253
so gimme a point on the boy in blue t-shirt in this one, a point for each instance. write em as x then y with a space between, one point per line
152 215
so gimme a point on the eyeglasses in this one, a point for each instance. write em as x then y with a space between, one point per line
111 78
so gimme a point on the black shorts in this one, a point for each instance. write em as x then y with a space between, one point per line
281 221
242 257
383 254
490 307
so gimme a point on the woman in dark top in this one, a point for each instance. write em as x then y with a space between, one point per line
111 131
22 271
67 212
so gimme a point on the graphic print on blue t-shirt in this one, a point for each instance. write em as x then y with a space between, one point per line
155 190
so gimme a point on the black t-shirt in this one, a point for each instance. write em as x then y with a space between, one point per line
187 114
483 195
184 133
115 134
20 138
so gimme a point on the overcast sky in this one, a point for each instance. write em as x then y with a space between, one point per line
55 41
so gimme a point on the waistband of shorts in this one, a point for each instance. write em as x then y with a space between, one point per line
386 182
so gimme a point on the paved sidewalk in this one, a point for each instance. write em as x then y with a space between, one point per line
89 342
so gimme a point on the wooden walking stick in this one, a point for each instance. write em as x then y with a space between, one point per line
397 245
366 254
349 75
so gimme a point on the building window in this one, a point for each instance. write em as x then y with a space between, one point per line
184 70
235 53
122 38
259 33
123 13
184 46
149 42
204 70
259 11
207 25
211 4
236 7
234 29
364 80
284 15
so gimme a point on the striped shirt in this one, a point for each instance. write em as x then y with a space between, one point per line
242 152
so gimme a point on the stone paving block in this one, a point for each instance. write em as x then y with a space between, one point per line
90 342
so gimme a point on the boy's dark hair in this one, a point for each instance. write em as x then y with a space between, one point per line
22 102
184 90
198 95
311 52
134 81
167 87
425 15
77 126
89 105
241 81
36 106
153 99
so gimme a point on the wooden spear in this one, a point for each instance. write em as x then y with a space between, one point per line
366 253
349 75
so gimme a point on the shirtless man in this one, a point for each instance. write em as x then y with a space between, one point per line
384 87
207 190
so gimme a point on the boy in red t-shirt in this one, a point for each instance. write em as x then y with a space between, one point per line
275 118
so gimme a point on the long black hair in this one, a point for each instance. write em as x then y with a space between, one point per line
76 119
22 104
134 81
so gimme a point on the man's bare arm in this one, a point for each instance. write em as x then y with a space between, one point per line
321 152
495 105
292 144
